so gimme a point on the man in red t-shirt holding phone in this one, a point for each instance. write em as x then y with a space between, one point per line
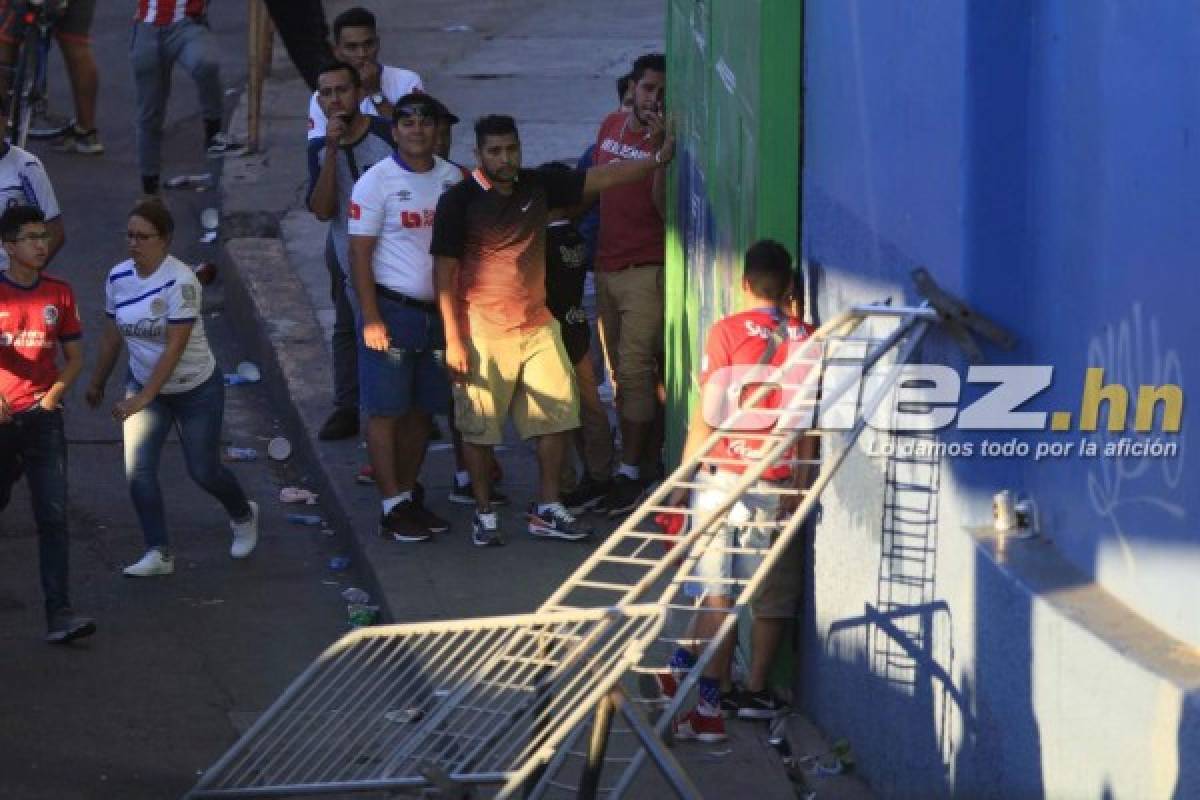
757 338
37 316
629 276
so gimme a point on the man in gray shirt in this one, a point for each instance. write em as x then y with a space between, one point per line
352 143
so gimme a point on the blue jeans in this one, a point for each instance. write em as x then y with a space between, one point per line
197 415
411 374
153 52
37 438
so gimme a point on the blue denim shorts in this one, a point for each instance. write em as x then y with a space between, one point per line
411 373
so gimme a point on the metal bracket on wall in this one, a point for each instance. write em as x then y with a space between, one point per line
959 320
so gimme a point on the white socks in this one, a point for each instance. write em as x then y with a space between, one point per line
391 502
631 472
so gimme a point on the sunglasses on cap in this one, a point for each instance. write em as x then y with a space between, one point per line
415 111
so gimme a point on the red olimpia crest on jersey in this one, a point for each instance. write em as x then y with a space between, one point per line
355 211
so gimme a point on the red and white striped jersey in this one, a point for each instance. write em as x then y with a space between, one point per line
168 12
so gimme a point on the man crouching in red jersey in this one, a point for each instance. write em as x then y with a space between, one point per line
759 337
37 313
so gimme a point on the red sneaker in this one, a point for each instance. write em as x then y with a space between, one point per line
366 475
699 727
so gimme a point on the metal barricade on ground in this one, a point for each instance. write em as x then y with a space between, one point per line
501 705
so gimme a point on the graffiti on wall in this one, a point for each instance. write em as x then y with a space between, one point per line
1131 351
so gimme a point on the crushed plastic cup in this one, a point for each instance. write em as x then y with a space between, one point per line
279 449
404 715
210 218
294 494
240 454
356 595
249 372
361 615
186 181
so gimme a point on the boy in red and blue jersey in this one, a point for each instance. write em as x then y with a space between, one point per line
759 338
38 316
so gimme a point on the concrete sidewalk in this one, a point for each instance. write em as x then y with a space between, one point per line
552 65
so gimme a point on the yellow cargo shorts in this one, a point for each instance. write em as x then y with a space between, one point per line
527 375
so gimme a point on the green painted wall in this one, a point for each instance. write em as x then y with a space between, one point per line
734 89
734 77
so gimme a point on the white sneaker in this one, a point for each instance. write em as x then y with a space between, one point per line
245 534
155 562
222 144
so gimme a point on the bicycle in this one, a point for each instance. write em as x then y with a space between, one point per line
29 116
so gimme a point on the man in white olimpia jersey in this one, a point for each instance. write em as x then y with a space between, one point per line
402 378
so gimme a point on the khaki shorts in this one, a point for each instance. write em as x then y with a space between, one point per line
527 375
779 593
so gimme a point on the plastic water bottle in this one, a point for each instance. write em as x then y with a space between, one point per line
240 454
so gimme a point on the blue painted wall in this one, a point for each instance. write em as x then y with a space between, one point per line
1040 158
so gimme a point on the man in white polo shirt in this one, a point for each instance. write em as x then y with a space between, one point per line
402 378
356 41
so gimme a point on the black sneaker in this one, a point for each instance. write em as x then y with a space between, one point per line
403 524
587 496
556 523
745 704
486 532
625 495
465 496
341 424
432 522
64 627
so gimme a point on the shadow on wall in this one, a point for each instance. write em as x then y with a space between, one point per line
890 673
900 647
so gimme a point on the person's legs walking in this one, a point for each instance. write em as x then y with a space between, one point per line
193 45
144 435
152 79
43 446
74 39
200 413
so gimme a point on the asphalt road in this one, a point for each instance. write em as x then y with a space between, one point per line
138 709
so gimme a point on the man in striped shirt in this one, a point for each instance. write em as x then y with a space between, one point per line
166 32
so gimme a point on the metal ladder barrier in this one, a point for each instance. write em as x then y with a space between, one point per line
501 704
626 568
